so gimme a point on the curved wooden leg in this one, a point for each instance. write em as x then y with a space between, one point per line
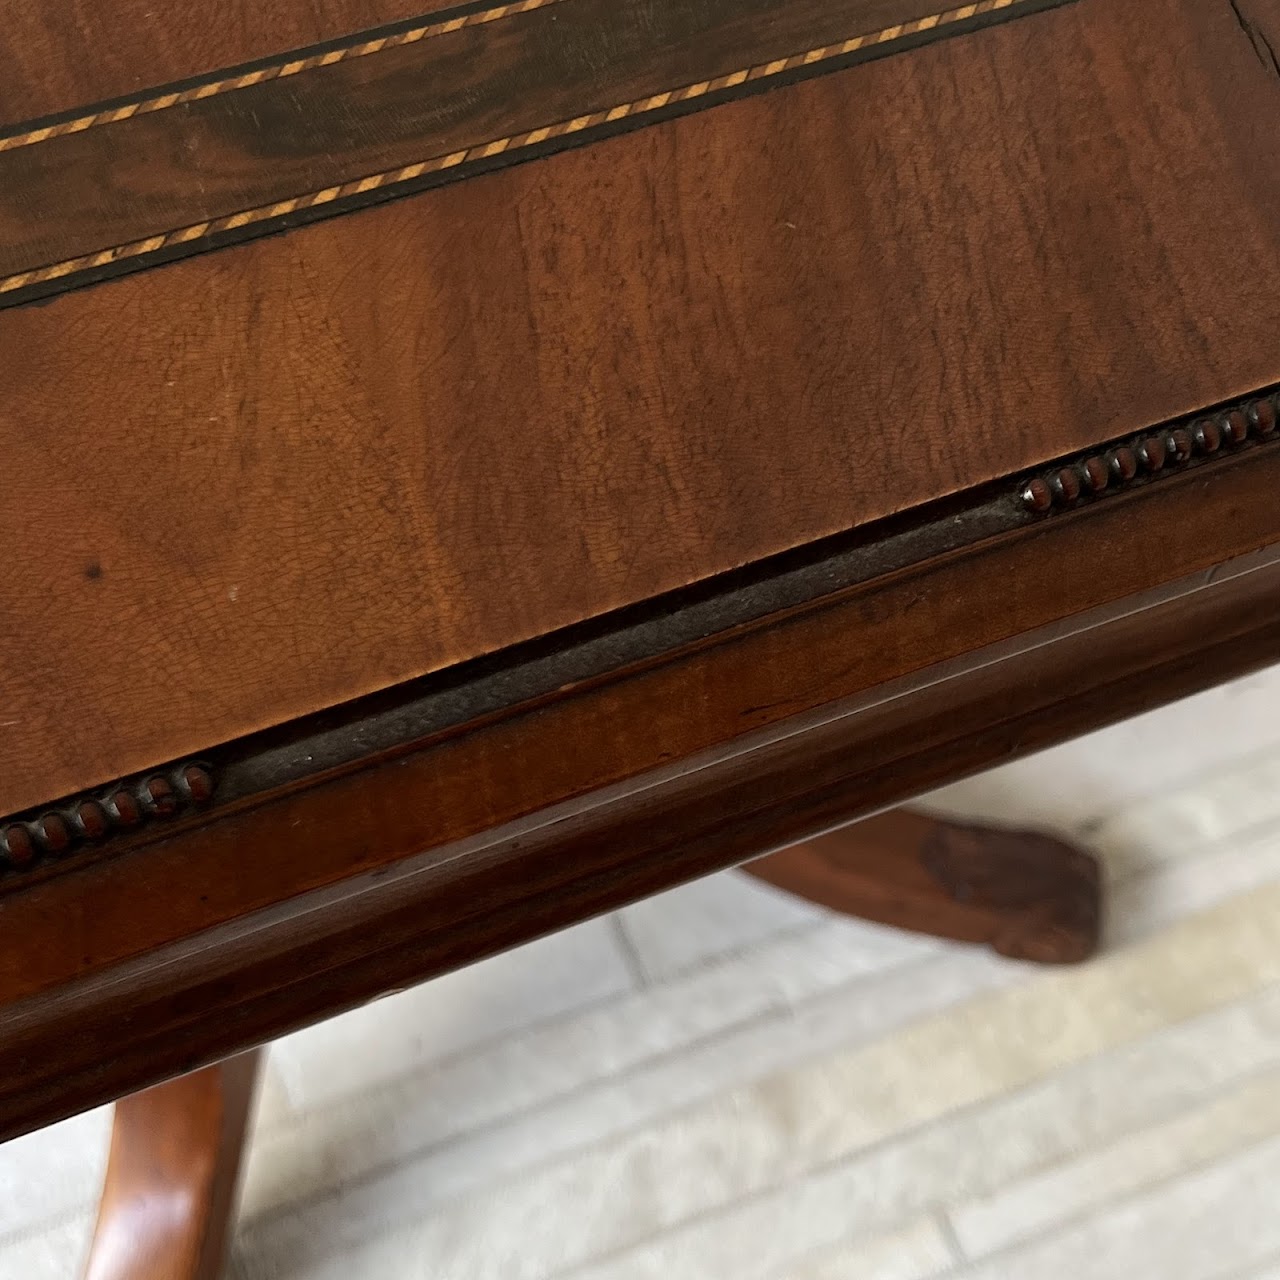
171 1176
1028 895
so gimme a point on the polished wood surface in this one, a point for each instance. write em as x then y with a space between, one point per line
176 1148
288 473
313 133
387 592
1141 481
169 1195
56 57
300 903
1027 895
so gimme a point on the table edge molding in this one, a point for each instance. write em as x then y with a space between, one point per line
60 837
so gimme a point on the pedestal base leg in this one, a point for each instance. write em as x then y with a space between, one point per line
171 1176
1028 895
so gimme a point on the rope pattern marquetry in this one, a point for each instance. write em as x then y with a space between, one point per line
279 71
497 146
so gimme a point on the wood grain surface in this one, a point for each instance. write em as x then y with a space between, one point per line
178 170
1026 894
322 896
854 650
261 482
1240 438
56 57
169 1194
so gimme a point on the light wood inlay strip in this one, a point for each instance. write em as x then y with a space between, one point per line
291 67
70 221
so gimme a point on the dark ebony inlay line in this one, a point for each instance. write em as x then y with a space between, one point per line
262 148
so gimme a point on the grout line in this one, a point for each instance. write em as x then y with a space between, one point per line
1200 1102
1122 932
777 1014
782 1012
294 1117
32 1230
630 952
741 951
1065 1225
435 1148
942 1217
1193 781
1210 847
830 1166
822 1249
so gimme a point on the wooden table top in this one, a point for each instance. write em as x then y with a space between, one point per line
247 484
681 424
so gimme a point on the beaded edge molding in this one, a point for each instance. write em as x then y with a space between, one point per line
1151 454
389 181
47 834
95 817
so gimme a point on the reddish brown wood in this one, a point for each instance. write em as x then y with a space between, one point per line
169 1196
251 486
858 649
319 898
56 57
362 111
114 811
1027 895
61 838
286 474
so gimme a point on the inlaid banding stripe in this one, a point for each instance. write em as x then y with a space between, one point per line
341 195
213 88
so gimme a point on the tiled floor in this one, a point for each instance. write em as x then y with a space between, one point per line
722 1082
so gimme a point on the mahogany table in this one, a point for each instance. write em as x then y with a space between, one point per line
465 471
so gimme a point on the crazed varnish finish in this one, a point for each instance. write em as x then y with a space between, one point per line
844 397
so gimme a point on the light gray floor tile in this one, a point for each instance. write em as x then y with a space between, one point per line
695 1035
55 1253
405 1032
750 1139
720 914
918 1252
862 1012
1143 904
1269 1271
975 1150
1236 804
1206 1224
47 1174
1036 1204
